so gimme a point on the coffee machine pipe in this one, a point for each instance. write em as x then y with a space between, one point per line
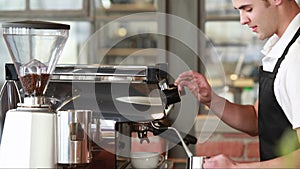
194 162
186 149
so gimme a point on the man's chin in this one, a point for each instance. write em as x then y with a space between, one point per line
261 37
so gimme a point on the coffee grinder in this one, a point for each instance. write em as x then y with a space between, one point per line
29 133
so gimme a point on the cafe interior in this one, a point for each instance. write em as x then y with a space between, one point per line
109 90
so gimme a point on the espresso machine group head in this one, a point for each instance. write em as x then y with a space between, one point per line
28 139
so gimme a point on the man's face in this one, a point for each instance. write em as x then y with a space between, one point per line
258 15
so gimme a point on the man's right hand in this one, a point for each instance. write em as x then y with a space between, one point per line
197 84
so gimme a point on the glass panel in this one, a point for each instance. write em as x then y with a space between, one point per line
10 5
133 1
56 4
79 33
240 54
128 41
220 7
237 45
127 5
128 36
228 32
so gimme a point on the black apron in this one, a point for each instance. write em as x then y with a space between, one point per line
272 122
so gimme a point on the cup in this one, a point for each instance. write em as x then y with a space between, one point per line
146 159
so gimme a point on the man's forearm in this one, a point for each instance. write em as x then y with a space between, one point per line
288 161
240 117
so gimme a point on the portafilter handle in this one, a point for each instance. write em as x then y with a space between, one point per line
171 96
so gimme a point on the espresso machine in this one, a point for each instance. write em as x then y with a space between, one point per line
29 132
82 116
98 108
123 100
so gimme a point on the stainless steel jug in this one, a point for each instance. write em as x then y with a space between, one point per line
9 95
73 130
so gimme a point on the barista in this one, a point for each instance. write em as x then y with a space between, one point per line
277 110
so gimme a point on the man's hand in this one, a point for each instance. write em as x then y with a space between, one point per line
219 161
197 84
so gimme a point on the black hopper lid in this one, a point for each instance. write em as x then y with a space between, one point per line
35 24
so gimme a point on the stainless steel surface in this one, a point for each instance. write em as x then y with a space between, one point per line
66 101
101 98
195 162
101 89
100 73
73 131
33 102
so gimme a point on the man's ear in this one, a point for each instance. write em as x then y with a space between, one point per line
278 2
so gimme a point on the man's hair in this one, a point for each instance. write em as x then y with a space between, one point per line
267 3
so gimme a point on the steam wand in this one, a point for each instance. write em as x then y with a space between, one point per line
186 149
194 162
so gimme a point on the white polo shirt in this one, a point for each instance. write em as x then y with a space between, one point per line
287 82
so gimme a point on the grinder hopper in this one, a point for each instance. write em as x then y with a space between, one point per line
35 47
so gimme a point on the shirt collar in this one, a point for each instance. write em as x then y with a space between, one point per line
275 46
269 45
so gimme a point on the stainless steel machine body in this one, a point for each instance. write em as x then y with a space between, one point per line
98 107
119 97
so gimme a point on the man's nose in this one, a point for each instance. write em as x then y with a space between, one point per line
244 19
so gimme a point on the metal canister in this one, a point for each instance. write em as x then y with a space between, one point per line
9 95
73 130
